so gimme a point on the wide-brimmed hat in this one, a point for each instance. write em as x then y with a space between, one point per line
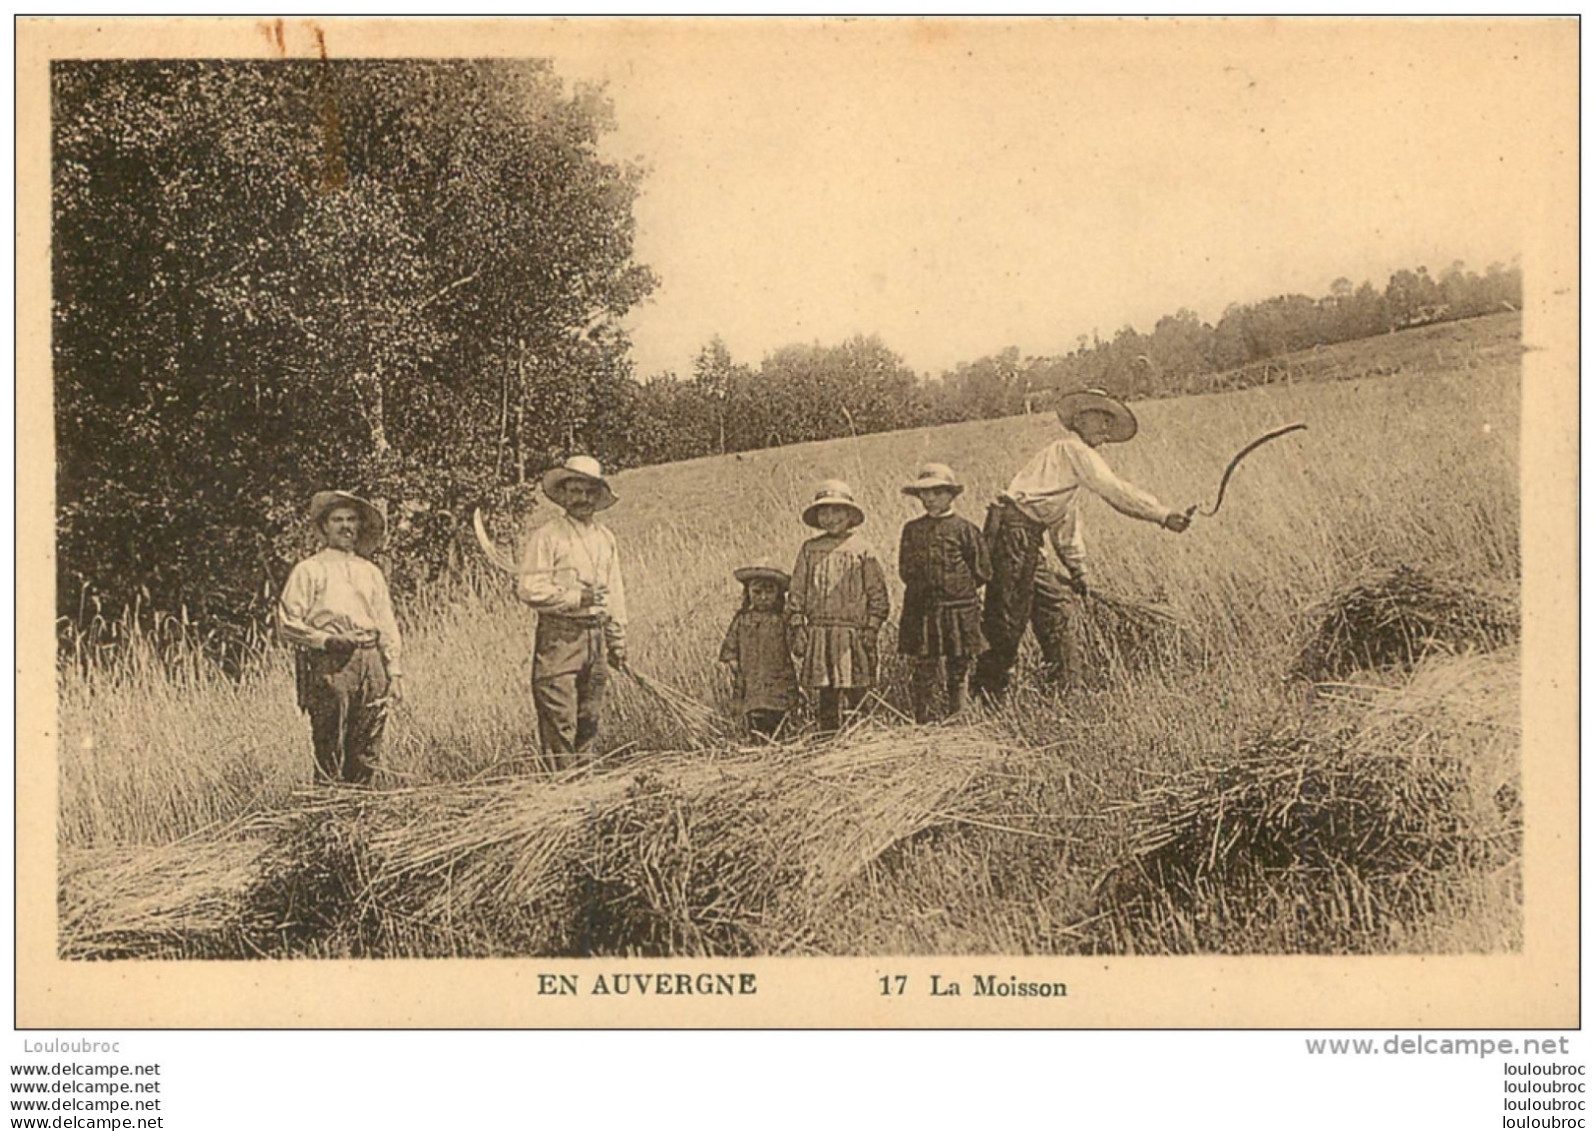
763 570
833 493
1071 405
933 476
373 527
578 467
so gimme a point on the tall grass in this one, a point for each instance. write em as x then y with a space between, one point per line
1411 469
1392 470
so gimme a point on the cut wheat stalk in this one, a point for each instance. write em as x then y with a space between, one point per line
729 851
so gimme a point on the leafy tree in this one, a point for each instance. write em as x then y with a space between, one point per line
1367 313
1409 293
716 376
398 277
1178 349
988 386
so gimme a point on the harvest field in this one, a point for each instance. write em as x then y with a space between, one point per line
1312 747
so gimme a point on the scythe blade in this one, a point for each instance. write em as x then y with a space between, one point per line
503 560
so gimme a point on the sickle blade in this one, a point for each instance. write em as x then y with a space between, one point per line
1242 454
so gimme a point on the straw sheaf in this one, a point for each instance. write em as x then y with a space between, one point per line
1395 618
186 900
1119 636
675 853
1368 809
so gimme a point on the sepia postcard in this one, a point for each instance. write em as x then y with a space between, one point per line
784 523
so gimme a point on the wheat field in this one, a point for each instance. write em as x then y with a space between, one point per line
1412 464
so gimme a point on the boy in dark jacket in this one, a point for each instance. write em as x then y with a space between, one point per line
943 562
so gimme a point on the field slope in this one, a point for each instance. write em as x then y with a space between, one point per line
1202 795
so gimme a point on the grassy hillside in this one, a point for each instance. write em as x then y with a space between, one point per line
1410 461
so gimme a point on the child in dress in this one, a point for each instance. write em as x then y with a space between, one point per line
836 606
943 562
757 652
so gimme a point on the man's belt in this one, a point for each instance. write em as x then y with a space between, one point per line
359 645
576 622
1010 511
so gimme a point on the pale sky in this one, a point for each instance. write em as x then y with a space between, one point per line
957 188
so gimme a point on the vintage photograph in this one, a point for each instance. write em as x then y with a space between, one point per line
692 490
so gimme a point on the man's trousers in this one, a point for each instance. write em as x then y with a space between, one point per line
346 698
1020 594
569 680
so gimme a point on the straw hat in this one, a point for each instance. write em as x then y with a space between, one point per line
372 525
932 476
1071 405
763 570
578 467
833 493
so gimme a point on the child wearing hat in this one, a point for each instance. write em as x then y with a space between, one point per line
836 606
757 652
943 562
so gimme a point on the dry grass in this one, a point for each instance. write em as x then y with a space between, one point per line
1400 616
678 853
1364 818
1396 471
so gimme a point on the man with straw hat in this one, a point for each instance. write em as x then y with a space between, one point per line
570 573
1044 498
336 611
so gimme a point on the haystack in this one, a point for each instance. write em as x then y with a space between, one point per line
1350 823
738 852
1397 617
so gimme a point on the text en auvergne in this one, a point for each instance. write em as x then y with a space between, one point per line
650 985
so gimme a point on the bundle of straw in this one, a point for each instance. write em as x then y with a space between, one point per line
698 720
186 900
1396 617
1363 818
674 853
1120 635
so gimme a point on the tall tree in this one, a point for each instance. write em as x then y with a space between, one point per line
271 277
716 376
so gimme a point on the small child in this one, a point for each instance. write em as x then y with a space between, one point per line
757 652
836 606
943 562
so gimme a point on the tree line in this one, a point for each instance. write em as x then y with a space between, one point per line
408 278
814 392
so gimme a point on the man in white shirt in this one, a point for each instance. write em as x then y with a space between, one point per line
1044 498
336 611
570 573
